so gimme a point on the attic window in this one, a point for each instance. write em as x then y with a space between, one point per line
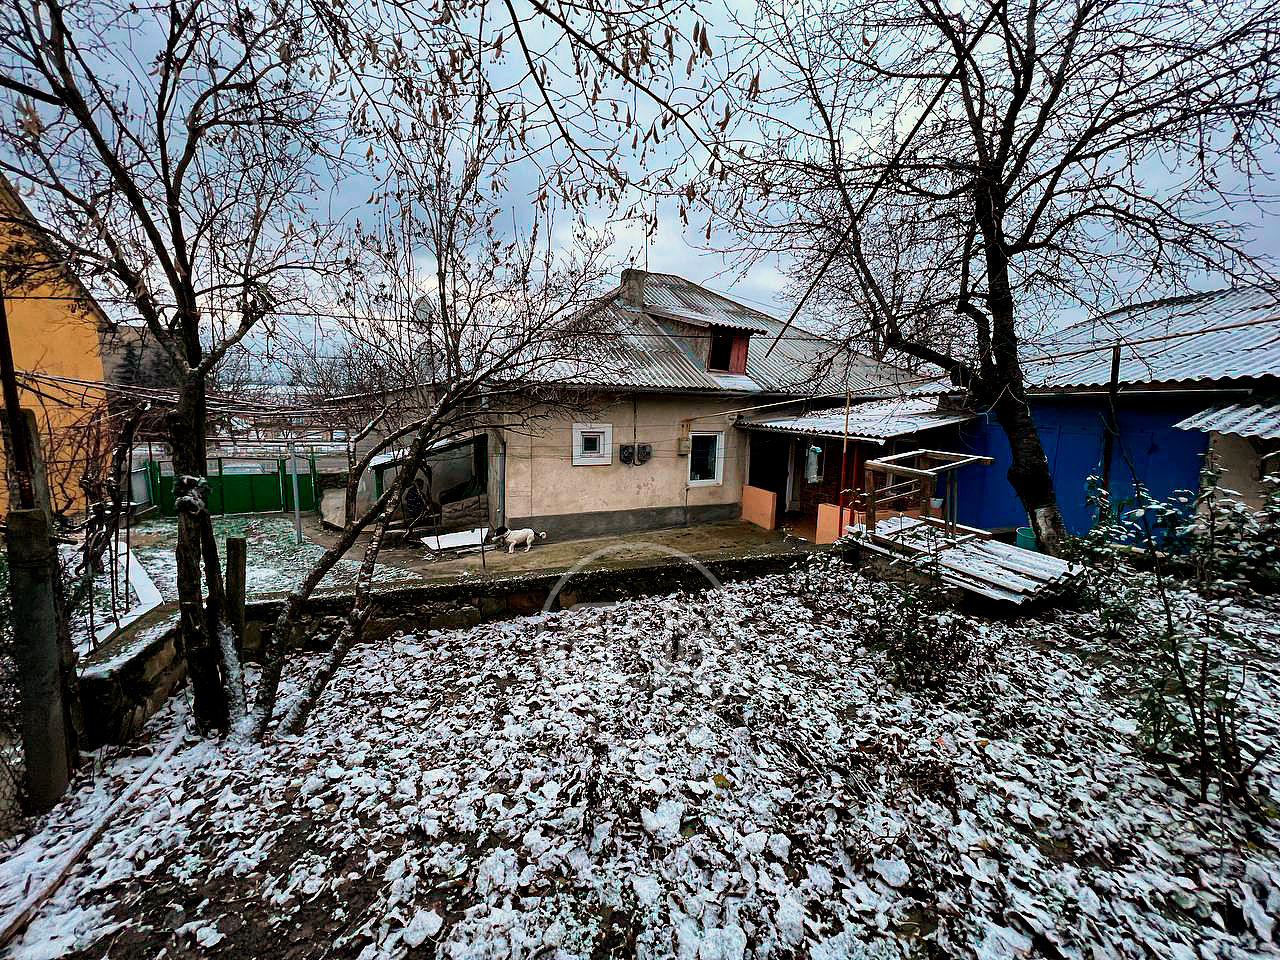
728 353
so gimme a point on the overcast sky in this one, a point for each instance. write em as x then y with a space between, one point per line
685 251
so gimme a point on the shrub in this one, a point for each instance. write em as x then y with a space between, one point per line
1188 681
926 646
1190 714
1233 547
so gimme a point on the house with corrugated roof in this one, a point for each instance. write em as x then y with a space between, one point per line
666 430
1141 395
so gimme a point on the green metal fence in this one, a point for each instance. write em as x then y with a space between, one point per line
241 492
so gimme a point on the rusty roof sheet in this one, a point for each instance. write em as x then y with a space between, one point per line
876 421
1243 419
1222 335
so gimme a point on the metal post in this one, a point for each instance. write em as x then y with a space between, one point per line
1113 422
844 453
869 488
297 507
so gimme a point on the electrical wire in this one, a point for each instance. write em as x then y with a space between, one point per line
222 403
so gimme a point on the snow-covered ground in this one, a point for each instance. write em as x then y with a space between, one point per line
275 563
727 775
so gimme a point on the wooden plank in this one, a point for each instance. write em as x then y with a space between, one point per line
981 588
955 460
974 532
899 471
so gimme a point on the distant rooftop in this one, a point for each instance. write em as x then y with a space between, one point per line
1230 335
1243 419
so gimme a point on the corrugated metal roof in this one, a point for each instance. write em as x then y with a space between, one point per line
683 300
877 421
1244 419
656 349
1222 335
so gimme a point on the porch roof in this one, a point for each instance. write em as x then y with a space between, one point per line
874 422
1245 419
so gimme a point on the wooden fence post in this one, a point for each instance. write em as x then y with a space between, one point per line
237 564
32 566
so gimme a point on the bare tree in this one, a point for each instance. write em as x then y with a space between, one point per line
489 337
949 174
179 154
174 152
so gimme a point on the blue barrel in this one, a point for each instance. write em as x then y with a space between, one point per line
1026 538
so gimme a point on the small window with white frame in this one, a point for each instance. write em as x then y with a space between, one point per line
706 459
592 444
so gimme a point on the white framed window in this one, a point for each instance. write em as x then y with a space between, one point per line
706 459
592 444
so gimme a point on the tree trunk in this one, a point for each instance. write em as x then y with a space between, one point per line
197 625
352 633
1029 473
280 638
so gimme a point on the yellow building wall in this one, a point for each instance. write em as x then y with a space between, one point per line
53 327
544 485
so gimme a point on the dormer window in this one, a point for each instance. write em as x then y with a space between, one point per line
728 353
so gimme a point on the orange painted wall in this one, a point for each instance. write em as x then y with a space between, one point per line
759 507
54 329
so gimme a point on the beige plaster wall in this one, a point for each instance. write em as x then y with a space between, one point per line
542 479
1241 461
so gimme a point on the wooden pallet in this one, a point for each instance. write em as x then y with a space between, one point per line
970 561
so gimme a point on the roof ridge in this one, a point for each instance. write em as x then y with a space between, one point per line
739 304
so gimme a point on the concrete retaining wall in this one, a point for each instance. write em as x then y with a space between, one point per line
127 680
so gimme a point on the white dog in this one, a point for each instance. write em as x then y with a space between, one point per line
513 538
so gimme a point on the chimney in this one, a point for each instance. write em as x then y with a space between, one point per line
633 287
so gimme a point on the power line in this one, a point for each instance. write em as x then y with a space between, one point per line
230 405
806 336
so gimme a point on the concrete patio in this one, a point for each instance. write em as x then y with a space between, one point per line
731 538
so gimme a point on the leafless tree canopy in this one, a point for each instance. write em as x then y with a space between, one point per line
193 160
966 167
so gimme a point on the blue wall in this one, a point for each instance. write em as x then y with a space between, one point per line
1071 429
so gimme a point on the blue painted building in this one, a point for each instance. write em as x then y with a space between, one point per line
1180 361
1072 430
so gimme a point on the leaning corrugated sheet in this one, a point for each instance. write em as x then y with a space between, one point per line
876 421
1222 335
1243 419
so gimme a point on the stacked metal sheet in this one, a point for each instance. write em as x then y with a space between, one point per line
971 562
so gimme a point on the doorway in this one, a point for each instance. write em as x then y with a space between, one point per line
770 465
